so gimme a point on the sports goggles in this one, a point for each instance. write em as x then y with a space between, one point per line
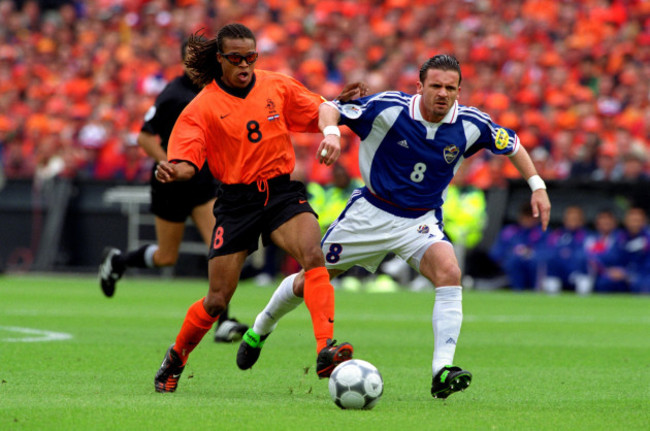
236 59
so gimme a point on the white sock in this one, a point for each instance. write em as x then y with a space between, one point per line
148 255
446 320
282 302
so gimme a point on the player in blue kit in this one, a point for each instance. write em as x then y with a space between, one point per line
411 146
564 256
519 250
634 245
625 265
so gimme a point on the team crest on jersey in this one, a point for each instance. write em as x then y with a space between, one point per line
451 152
272 113
501 139
423 229
351 111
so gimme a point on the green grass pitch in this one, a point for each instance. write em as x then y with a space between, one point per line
539 362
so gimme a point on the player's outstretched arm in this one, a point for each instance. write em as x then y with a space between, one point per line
169 172
539 200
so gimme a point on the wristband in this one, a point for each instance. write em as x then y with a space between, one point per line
331 130
536 182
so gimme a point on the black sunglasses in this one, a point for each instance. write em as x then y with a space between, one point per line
236 59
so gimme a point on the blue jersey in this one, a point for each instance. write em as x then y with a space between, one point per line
564 252
633 250
407 162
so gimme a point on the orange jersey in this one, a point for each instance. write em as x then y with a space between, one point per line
245 139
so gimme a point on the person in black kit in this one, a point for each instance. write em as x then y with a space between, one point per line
171 203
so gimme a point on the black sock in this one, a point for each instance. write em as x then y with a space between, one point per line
223 316
134 259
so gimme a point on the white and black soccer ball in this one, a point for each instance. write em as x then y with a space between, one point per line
356 384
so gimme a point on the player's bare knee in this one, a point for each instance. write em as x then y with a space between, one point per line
446 275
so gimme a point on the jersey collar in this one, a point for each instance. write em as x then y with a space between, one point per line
237 92
450 118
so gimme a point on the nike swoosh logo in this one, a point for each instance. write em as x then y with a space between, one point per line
302 201
175 376
330 320
224 116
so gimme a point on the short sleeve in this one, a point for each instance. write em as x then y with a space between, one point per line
301 107
187 141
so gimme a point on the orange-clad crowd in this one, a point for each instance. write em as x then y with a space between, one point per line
571 77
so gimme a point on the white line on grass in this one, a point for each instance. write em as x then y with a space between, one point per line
41 335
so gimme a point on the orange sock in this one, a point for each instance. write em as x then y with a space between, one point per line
196 324
319 299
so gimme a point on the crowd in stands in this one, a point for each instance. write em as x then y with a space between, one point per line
572 77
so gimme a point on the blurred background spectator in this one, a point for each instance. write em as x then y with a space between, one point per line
329 200
602 254
518 250
564 256
635 245
573 78
464 219
624 267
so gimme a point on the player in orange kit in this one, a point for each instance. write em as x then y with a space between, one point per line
240 124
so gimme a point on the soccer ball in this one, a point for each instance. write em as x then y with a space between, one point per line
356 384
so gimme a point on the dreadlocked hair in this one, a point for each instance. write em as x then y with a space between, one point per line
202 65
201 59
441 62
